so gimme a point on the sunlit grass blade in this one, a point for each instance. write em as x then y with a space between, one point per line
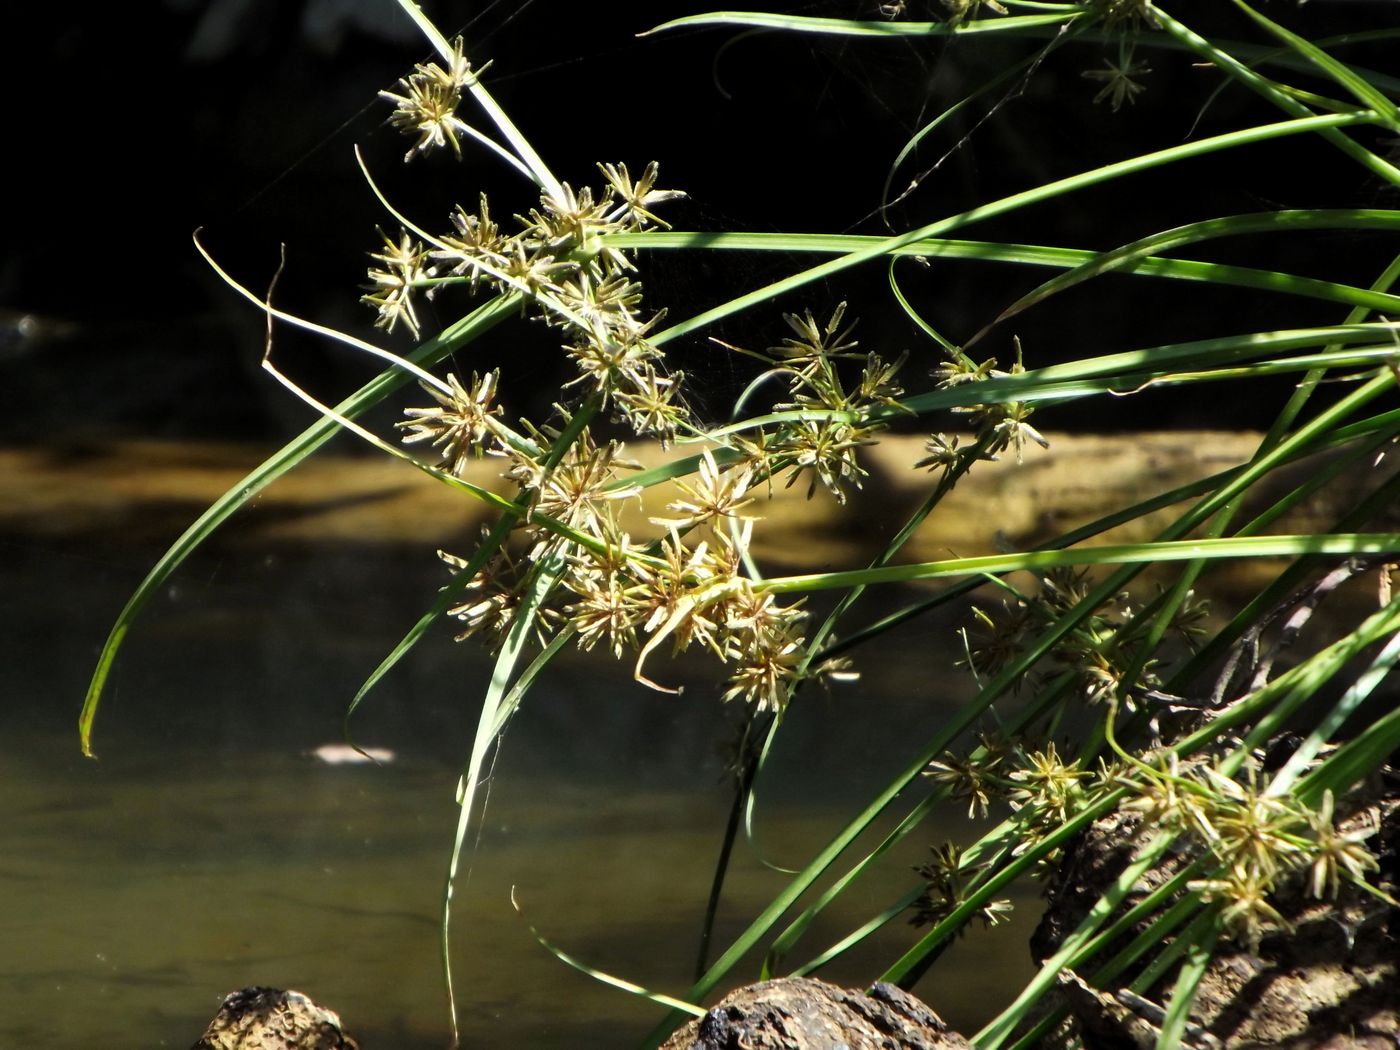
1220 523
1036 195
1113 374
785 941
488 546
891 30
521 145
1231 226
1241 72
1355 759
1103 374
1364 92
944 344
855 937
1024 68
986 850
497 706
1083 264
1161 964
1254 54
895 544
1326 727
1348 544
470 327
598 975
1154 934
1283 585
1000 880
1188 980
1285 693
449 594
1000 1028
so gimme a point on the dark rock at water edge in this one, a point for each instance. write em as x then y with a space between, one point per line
271 1019
804 1014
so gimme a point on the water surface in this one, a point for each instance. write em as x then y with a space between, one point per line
208 850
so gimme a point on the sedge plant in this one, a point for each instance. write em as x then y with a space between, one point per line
1180 706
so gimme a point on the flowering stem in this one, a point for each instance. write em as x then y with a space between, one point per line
532 163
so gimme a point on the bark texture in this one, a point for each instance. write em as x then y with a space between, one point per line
799 1013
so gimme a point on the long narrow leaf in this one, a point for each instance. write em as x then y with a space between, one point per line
1343 75
471 327
1188 980
1239 71
1123 258
495 710
1037 195
1134 553
850 27
598 975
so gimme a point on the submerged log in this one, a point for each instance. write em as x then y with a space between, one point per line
799 1013
271 1019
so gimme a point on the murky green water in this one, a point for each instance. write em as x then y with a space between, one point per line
207 850
136 895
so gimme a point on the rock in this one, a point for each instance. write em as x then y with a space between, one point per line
799 1013
271 1019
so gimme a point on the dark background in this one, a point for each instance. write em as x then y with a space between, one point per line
138 123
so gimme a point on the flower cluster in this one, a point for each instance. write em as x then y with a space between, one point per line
1250 837
999 425
404 267
461 426
428 104
1254 838
559 263
1098 650
689 585
973 778
959 11
945 880
1119 81
1041 789
692 593
835 417
1123 13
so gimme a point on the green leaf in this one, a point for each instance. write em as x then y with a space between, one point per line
1111 554
1342 74
1188 980
475 324
878 30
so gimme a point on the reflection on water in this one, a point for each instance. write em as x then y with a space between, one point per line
209 849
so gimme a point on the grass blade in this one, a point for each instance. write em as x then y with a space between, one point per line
1342 74
599 975
878 30
475 324
1349 544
